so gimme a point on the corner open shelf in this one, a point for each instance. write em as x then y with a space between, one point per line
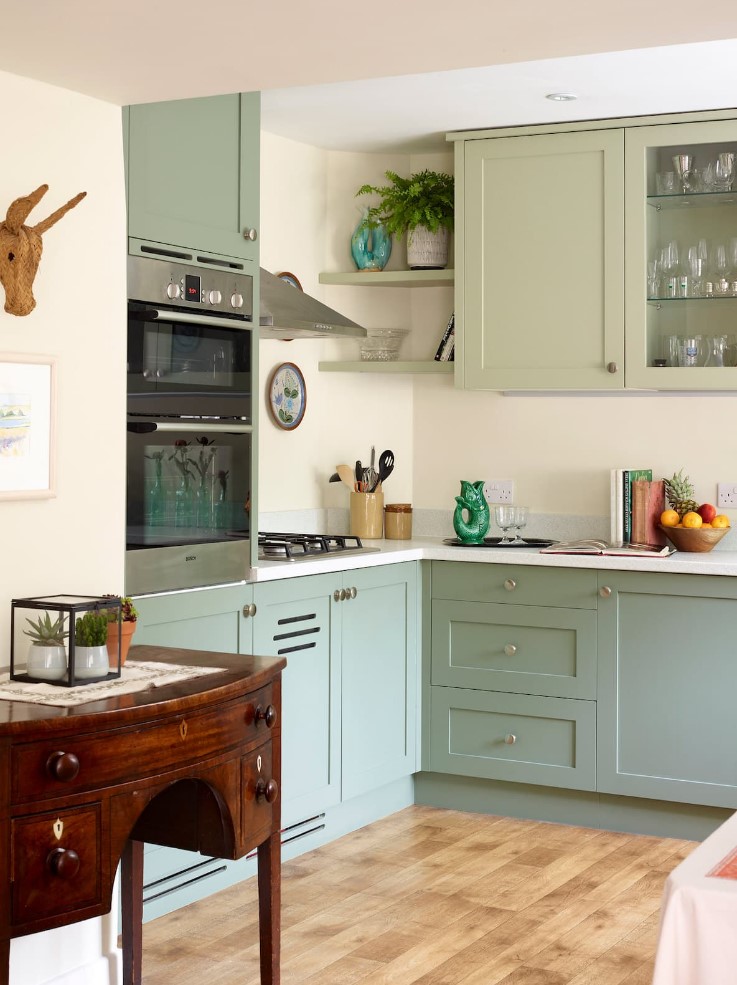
382 366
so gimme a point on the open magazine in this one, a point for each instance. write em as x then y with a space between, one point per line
602 547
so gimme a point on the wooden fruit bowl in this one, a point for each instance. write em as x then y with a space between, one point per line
696 540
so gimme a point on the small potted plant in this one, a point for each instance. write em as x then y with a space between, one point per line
47 655
90 650
422 206
127 626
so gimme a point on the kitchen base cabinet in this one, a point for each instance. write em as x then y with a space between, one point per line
667 727
216 619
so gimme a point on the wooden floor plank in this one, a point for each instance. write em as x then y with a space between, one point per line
430 896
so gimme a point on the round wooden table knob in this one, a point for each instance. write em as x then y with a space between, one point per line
268 715
63 862
62 766
267 791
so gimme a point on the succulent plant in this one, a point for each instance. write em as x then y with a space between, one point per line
47 632
128 611
91 629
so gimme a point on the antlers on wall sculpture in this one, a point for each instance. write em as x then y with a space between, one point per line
21 247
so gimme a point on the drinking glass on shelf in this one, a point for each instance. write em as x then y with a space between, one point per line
671 263
715 348
504 516
684 165
666 183
724 172
670 349
688 350
520 522
654 276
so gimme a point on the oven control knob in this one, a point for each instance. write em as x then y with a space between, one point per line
173 291
214 297
237 300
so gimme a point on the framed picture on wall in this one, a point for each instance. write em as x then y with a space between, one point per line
27 411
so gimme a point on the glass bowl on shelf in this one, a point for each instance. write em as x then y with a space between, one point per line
382 344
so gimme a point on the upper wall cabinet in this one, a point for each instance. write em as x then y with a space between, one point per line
193 174
681 286
540 233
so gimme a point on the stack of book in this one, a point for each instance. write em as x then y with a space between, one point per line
636 504
446 349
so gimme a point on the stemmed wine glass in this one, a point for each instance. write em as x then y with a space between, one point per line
520 521
505 518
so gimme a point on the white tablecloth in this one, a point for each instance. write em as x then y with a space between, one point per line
697 943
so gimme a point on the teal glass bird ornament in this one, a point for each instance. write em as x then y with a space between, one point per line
471 516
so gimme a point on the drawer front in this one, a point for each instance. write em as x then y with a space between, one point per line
517 583
116 757
55 863
523 649
261 794
548 741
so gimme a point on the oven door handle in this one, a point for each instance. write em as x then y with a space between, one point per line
195 427
190 318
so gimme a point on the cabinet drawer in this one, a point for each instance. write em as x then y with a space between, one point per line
55 863
548 741
518 583
259 799
525 649
115 757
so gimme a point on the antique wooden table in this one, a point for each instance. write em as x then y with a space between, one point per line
193 765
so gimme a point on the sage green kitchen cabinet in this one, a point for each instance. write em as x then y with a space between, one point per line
675 302
513 673
217 619
540 261
667 727
193 174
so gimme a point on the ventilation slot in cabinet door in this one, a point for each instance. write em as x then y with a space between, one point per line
296 634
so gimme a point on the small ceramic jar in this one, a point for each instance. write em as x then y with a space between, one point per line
398 521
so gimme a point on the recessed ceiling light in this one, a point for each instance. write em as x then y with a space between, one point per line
561 97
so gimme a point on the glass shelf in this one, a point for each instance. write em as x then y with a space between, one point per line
699 300
695 200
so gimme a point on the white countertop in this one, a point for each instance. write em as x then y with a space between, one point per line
433 549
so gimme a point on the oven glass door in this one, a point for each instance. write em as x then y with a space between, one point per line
191 364
188 482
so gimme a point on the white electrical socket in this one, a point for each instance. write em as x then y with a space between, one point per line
727 494
500 491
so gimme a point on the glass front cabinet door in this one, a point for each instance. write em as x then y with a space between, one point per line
681 258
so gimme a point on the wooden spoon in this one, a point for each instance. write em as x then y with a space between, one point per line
346 476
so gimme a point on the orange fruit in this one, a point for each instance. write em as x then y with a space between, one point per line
692 521
669 518
721 521
705 525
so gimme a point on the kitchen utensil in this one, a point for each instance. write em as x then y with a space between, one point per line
345 474
359 476
386 467
334 477
370 475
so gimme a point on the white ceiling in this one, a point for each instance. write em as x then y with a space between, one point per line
421 60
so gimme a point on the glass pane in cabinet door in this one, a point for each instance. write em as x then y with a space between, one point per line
691 276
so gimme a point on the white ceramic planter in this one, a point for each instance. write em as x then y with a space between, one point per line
90 661
426 250
47 663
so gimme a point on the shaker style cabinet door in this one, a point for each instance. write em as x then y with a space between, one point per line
210 619
193 173
540 284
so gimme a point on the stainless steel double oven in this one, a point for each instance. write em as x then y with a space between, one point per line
190 425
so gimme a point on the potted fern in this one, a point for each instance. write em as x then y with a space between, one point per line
90 649
47 655
422 206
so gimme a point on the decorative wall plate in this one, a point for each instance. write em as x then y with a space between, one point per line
289 279
287 396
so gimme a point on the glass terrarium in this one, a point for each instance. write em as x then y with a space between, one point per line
62 639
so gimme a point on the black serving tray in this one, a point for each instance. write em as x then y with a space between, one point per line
495 542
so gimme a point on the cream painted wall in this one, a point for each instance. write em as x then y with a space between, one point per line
74 542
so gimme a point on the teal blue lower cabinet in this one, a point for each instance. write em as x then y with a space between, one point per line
208 619
667 726
519 584
525 649
520 737
379 677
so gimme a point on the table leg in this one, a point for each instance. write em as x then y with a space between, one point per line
131 905
269 908
4 962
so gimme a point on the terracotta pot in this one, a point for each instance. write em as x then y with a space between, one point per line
127 630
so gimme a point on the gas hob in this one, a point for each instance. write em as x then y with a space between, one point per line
300 547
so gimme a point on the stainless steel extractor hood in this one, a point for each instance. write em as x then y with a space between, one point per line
288 313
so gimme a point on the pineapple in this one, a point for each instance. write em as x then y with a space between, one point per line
679 491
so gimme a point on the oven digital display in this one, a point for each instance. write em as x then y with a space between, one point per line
192 288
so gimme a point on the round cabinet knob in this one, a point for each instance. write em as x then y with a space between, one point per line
340 595
173 291
510 584
63 862
62 766
236 300
267 790
267 715
249 610
612 368
214 297
353 592
147 374
510 649
510 739
605 591
250 234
